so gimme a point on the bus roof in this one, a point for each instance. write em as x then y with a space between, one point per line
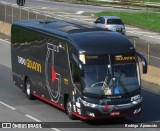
86 38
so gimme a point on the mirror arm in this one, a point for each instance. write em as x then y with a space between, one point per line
79 63
144 62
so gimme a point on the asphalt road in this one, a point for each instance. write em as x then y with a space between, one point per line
20 109
74 12
74 7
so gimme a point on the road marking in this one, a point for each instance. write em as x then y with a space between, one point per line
72 15
55 129
5 41
37 120
33 118
44 7
7 105
58 12
79 12
59 16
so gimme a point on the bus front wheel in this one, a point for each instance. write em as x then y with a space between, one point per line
28 90
69 108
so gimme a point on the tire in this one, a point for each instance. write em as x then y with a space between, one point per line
69 109
28 90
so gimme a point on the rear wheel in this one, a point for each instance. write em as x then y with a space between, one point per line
28 90
69 108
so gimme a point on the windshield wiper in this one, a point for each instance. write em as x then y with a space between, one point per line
121 84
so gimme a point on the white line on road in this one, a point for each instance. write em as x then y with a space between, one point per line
58 12
5 41
55 129
59 16
7 105
33 118
44 7
72 15
37 120
79 12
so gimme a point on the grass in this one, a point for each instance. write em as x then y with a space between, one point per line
131 0
158 1
144 20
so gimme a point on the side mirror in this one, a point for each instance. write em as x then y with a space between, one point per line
94 22
79 64
21 2
144 63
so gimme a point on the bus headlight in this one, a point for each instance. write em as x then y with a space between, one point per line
82 57
87 104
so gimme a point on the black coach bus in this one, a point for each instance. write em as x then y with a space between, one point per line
87 71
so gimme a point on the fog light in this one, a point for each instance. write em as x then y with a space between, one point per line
90 114
137 110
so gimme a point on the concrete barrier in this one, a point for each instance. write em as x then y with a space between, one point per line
5 28
152 76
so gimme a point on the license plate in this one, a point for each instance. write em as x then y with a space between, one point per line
115 113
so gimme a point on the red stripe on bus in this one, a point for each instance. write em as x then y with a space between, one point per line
81 117
102 117
48 101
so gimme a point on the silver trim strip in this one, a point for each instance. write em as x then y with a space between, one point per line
128 105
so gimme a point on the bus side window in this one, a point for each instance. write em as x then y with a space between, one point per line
75 73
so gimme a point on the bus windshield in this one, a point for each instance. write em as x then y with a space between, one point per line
111 75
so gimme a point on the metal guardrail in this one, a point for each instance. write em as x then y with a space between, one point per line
11 14
151 51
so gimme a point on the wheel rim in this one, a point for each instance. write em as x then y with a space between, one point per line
28 90
69 108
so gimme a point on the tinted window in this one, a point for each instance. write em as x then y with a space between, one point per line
115 21
24 36
100 20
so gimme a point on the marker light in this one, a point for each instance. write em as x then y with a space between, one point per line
82 58
137 110
91 114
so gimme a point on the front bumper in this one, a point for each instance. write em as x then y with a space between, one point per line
128 109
